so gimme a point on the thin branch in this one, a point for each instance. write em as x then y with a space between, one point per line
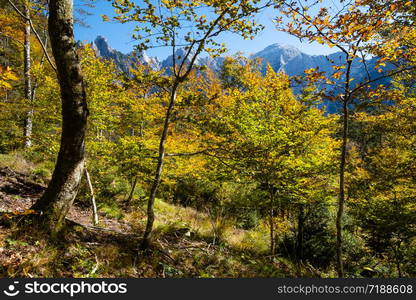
35 32
201 44
318 30
186 154
381 77
365 65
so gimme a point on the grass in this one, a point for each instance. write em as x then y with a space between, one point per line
27 252
189 222
17 162
168 217
40 172
111 210
187 243
183 247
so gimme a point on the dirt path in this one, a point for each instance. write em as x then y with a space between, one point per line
18 193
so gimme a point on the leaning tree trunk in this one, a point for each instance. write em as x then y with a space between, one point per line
133 188
63 187
27 132
93 203
156 181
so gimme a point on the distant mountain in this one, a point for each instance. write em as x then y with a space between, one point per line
282 58
293 62
211 63
123 61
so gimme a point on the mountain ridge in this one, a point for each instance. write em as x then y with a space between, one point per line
281 57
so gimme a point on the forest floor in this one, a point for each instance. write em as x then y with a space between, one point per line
111 248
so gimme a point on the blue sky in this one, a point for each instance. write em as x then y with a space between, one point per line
119 35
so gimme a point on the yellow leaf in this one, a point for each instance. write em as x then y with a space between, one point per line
337 75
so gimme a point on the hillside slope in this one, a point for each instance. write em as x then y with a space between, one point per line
181 249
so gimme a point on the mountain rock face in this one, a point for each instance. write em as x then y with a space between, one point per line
211 63
282 58
293 62
123 61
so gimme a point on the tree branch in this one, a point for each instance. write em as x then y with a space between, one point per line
381 77
35 32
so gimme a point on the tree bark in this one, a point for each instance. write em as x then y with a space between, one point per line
156 181
343 160
399 270
27 132
63 187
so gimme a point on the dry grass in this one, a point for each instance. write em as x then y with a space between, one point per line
187 243
27 252
204 225
16 162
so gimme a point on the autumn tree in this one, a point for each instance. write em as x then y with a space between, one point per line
22 51
164 24
6 76
263 134
63 187
29 86
121 126
353 30
382 190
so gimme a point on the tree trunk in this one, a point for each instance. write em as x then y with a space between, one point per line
63 187
133 188
399 270
396 250
27 132
156 181
94 205
341 199
301 224
271 221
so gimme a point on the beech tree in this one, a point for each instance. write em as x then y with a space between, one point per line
267 136
353 29
28 79
193 26
251 166
63 187
383 188
27 129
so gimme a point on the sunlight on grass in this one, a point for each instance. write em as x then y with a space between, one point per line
169 216
16 162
